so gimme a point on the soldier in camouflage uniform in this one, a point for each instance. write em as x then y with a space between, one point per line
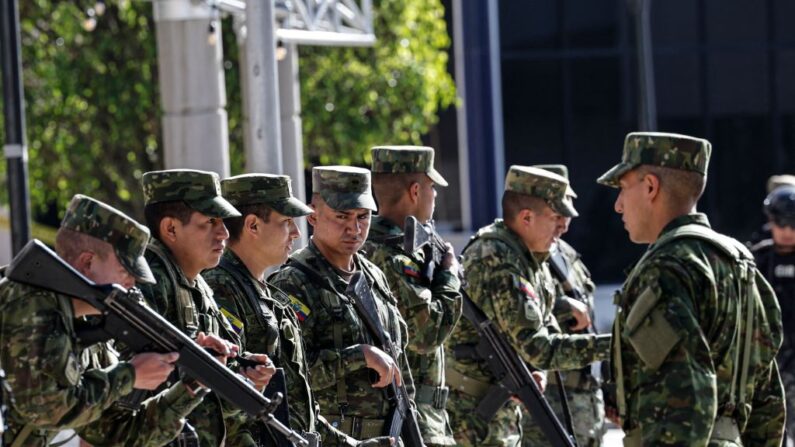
39 347
697 327
184 210
573 311
260 313
403 180
339 348
508 278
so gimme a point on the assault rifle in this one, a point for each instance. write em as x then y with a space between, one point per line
402 421
511 372
129 320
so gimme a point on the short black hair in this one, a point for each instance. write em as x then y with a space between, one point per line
235 224
514 202
156 212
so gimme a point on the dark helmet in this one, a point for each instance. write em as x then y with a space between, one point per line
780 206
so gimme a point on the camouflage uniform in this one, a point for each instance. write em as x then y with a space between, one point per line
583 391
38 343
260 313
688 310
514 289
430 308
332 328
189 305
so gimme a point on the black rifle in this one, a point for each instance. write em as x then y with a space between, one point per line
402 422
129 320
511 372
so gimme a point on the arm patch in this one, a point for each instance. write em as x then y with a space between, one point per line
649 332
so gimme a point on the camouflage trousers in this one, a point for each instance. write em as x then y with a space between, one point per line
435 425
788 380
587 416
504 429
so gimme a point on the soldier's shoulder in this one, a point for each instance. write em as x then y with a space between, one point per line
18 299
762 247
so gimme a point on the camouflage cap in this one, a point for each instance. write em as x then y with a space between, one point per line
201 190
271 190
343 187
406 159
560 170
667 150
542 184
779 180
128 238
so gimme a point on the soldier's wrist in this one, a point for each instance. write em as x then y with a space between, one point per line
194 387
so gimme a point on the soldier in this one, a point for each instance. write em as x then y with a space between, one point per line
262 315
775 258
573 311
339 348
697 328
39 348
184 210
403 181
508 278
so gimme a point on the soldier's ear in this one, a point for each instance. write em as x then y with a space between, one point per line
82 262
250 223
651 184
168 229
414 192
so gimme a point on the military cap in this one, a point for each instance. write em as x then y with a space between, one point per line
101 221
343 187
667 150
271 190
779 180
546 185
560 170
201 190
406 159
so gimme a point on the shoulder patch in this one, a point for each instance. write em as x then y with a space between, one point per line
301 310
525 286
72 370
410 268
235 322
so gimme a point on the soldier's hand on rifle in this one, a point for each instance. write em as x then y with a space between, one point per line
541 379
152 369
449 261
223 348
262 373
383 364
580 313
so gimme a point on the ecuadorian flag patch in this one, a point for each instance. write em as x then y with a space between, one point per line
411 269
525 286
300 309
237 325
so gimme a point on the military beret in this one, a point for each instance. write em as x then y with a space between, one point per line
101 221
406 159
546 185
560 170
660 149
201 190
271 190
343 187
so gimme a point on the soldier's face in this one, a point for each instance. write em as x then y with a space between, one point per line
340 231
276 238
563 226
634 206
427 203
784 237
542 229
107 270
199 244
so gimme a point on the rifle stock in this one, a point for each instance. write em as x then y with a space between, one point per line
402 421
128 320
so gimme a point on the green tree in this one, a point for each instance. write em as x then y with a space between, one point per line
92 100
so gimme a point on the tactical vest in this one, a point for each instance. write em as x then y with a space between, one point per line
751 296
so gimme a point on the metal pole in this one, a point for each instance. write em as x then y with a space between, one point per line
292 138
192 88
261 114
15 148
647 99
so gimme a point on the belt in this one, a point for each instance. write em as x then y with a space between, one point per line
466 385
724 429
358 428
431 395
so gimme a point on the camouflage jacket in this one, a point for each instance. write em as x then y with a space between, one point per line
579 279
333 333
191 308
156 423
39 353
678 330
271 328
514 289
431 310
